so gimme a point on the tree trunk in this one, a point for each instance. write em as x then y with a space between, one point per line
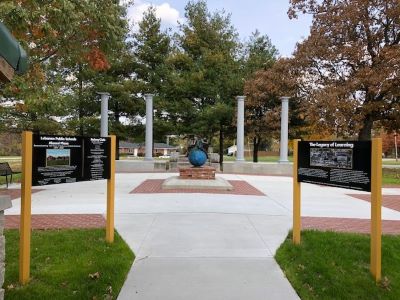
221 148
117 115
116 147
80 106
256 144
365 132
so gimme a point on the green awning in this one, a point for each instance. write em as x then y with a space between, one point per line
12 51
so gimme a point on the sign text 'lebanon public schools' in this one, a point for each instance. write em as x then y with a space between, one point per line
66 159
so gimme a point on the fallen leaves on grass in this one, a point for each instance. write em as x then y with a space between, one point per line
385 283
108 295
109 290
94 275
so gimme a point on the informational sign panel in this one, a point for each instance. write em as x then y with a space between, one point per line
96 158
66 159
336 163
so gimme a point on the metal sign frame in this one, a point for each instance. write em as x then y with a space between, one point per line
375 161
26 203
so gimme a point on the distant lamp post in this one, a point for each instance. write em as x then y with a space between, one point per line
283 157
395 145
104 113
240 129
149 127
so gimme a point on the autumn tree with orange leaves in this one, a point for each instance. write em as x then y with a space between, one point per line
349 66
263 105
68 42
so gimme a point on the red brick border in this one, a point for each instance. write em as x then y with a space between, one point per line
78 221
348 225
16 193
61 221
388 201
240 187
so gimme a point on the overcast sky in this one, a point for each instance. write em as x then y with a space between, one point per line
268 16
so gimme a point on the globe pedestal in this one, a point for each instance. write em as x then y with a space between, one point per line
198 176
197 173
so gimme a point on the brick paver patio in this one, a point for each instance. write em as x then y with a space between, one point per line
16 193
61 221
348 225
389 201
240 187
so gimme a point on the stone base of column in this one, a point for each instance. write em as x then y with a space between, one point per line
284 161
147 165
240 161
148 159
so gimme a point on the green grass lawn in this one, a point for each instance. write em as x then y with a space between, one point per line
15 164
390 162
68 264
330 265
260 158
9 158
16 178
390 176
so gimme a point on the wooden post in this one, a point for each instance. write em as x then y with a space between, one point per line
25 222
376 204
296 196
111 194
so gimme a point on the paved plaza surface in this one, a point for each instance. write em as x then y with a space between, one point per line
200 244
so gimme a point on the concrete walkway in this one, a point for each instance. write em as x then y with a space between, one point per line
204 246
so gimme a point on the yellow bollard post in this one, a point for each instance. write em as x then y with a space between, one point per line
25 218
111 194
296 196
376 205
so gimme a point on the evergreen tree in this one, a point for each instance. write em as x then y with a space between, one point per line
152 47
207 71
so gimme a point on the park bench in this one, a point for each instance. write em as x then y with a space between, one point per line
5 170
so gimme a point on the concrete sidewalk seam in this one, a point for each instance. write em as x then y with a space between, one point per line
146 235
259 235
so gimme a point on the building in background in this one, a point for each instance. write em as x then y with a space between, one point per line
138 149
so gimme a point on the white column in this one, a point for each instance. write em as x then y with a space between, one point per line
240 128
104 114
149 127
284 130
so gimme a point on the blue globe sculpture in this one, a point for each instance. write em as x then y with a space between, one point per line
197 157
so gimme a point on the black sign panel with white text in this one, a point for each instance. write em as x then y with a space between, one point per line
66 159
97 153
336 163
